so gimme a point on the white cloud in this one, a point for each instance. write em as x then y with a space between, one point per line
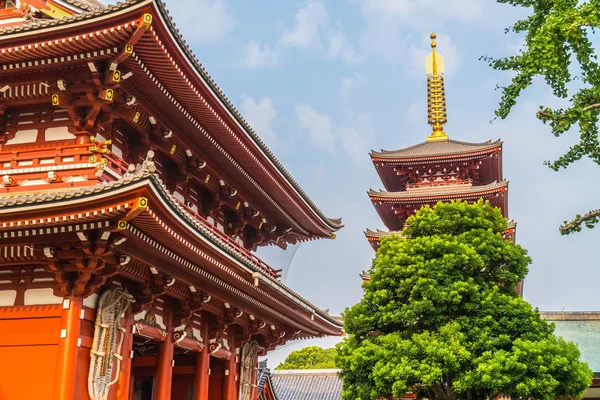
318 127
340 48
349 84
260 114
203 21
446 48
354 134
259 55
309 21
416 12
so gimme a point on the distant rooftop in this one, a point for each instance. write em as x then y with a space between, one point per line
307 384
581 327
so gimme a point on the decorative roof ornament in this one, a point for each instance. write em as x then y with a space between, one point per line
436 97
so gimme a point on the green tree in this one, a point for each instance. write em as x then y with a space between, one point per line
311 357
439 317
558 48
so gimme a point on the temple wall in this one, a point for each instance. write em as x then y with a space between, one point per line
29 337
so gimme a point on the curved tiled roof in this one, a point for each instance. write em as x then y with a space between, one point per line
316 384
430 148
88 5
379 233
410 194
146 172
334 223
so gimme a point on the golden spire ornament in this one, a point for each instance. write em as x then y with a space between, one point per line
436 96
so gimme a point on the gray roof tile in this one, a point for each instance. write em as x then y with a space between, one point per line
319 384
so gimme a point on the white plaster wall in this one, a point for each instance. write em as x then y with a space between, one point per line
7 298
41 296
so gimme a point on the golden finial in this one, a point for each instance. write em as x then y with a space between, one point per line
436 97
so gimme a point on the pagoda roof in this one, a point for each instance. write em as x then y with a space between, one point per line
92 13
378 233
437 192
435 148
145 177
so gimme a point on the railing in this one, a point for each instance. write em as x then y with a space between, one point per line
438 184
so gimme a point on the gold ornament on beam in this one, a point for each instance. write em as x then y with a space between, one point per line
436 96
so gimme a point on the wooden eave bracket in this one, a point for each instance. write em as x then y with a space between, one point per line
144 24
140 204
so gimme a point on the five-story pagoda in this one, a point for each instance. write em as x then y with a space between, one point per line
438 169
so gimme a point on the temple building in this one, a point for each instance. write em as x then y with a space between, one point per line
132 196
438 169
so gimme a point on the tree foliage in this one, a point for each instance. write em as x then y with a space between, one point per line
440 317
311 357
557 34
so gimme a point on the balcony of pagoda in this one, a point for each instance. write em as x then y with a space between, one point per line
394 208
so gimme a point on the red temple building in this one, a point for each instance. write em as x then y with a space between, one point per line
132 194
438 169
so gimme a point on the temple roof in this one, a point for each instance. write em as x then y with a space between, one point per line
86 4
380 233
437 192
321 384
92 11
434 148
144 175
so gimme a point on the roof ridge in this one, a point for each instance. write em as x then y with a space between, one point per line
438 148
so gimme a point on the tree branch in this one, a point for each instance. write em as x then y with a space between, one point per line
590 219
566 115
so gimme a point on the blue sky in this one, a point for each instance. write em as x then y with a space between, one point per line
324 82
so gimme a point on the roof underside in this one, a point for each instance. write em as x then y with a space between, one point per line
259 160
436 148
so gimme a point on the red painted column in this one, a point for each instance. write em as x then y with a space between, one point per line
202 377
230 388
120 390
164 366
66 363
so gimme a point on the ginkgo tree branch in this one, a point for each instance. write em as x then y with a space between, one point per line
566 115
589 219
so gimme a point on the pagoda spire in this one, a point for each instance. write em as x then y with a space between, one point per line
436 97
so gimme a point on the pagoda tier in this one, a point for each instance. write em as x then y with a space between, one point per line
374 236
439 163
132 194
395 207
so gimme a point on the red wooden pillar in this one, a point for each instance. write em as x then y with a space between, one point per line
202 377
120 390
66 365
230 389
164 366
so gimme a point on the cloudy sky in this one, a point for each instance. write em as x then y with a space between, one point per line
324 82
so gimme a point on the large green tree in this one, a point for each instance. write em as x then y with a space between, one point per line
558 48
311 357
439 317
